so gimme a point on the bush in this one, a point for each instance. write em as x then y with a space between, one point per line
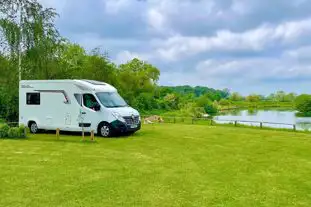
22 131
4 130
303 103
210 109
14 132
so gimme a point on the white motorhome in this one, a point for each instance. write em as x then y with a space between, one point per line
75 105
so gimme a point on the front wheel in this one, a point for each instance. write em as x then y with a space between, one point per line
105 130
33 127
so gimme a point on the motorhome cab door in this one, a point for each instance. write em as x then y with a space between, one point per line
90 111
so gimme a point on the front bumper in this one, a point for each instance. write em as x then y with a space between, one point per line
120 127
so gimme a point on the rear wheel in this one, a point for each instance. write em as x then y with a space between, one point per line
33 127
105 130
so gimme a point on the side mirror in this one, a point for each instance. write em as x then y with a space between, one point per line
97 107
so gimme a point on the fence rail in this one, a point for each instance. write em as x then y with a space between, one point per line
212 121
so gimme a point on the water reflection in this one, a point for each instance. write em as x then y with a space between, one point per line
252 112
275 116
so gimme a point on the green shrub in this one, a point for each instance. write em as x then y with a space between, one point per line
303 103
22 131
4 130
210 109
14 132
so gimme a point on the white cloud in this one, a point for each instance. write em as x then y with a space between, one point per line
115 6
156 20
197 41
255 68
252 71
260 38
247 75
93 40
302 53
125 56
240 7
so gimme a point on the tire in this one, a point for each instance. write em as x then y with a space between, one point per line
105 130
33 127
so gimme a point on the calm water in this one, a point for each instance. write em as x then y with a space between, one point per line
275 116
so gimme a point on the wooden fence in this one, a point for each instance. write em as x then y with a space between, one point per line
211 121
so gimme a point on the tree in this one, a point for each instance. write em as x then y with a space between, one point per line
171 100
224 102
210 109
28 28
236 97
191 109
253 98
208 106
290 97
280 96
202 101
303 103
271 97
136 77
145 102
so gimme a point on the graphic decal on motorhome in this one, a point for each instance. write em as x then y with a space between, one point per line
26 86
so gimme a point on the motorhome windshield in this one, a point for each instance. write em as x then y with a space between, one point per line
111 99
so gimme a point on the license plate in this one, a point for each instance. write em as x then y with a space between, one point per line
133 126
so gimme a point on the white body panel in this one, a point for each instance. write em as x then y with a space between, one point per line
55 112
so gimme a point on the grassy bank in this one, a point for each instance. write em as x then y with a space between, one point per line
163 165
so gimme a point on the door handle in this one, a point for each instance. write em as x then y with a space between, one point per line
83 113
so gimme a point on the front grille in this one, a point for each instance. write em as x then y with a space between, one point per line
131 120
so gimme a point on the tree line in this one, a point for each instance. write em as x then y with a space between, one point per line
31 46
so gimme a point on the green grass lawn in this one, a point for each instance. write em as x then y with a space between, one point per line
162 165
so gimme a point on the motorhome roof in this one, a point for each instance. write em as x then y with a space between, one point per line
83 84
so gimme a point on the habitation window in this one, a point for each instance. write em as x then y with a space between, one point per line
33 98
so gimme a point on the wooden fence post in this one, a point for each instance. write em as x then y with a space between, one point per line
92 136
261 125
235 123
294 127
57 133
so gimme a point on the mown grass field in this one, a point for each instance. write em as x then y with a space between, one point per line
162 165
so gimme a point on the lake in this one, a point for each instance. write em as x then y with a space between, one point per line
274 116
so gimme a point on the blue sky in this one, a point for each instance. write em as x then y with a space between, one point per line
244 45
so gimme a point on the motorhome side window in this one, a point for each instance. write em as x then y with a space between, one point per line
89 101
78 98
33 98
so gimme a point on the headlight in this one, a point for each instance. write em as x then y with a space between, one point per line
118 116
